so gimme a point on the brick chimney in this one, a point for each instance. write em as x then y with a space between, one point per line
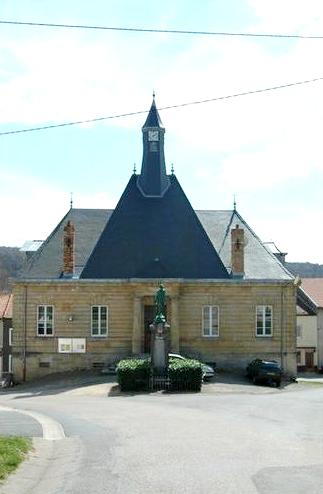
237 251
69 249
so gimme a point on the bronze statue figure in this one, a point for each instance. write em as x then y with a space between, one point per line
160 303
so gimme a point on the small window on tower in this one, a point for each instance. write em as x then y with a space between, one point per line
153 147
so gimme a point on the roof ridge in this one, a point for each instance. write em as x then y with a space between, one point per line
6 298
132 178
38 252
264 247
227 231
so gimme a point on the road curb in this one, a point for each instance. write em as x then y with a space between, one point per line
52 430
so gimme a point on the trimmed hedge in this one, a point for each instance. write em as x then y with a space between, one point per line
133 374
185 375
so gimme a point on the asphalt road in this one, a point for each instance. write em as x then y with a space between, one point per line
232 438
16 424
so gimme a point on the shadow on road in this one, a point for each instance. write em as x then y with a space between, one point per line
63 382
57 383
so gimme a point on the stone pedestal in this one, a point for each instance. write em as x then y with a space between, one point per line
159 347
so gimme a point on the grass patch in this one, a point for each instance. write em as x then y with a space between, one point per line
12 452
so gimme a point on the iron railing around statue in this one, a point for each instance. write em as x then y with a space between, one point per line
159 383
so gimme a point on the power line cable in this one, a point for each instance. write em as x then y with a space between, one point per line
153 30
180 105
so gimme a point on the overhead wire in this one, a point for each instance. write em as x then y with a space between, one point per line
180 105
160 31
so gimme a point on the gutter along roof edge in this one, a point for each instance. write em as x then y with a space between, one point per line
235 281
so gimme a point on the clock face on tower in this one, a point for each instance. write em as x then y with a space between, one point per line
153 135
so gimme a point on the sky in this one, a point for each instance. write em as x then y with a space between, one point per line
265 149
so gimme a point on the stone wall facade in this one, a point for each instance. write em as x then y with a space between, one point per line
235 345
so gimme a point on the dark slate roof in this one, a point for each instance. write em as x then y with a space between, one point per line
305 301
47 262
154 238
260 263
153 119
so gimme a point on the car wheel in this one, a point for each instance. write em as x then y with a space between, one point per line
278 383
254 380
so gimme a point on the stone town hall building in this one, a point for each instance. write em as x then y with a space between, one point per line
86 296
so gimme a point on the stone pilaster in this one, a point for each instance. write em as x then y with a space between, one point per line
174 325
136 331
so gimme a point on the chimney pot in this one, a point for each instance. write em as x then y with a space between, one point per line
69 249
237 251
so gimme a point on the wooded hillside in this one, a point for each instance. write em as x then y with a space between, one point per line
305 269
11 262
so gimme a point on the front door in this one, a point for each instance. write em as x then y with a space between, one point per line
309 359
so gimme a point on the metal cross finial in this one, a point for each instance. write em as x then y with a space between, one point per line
71 200
234 203
172 169
154 93
134 169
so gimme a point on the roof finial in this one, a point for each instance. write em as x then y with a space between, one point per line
71 200
234 203
134 169
154 94
172 169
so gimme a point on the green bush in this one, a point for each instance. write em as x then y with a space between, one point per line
185 375
133 374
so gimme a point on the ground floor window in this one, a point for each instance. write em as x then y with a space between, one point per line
210 320
264 320
45 320
99 320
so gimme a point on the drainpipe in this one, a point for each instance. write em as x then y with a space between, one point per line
24 372
282 322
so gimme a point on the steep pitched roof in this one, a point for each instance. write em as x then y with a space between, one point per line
260 262
153 180
6 305
154 238
47 262
153 118
314 288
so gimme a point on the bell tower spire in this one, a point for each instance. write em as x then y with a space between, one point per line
153 180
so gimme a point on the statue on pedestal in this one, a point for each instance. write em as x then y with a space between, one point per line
159 334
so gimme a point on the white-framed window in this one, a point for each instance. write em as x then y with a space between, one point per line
264 320
10 336
99 320
210 320
45 320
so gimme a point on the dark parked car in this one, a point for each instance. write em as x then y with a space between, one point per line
264 371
